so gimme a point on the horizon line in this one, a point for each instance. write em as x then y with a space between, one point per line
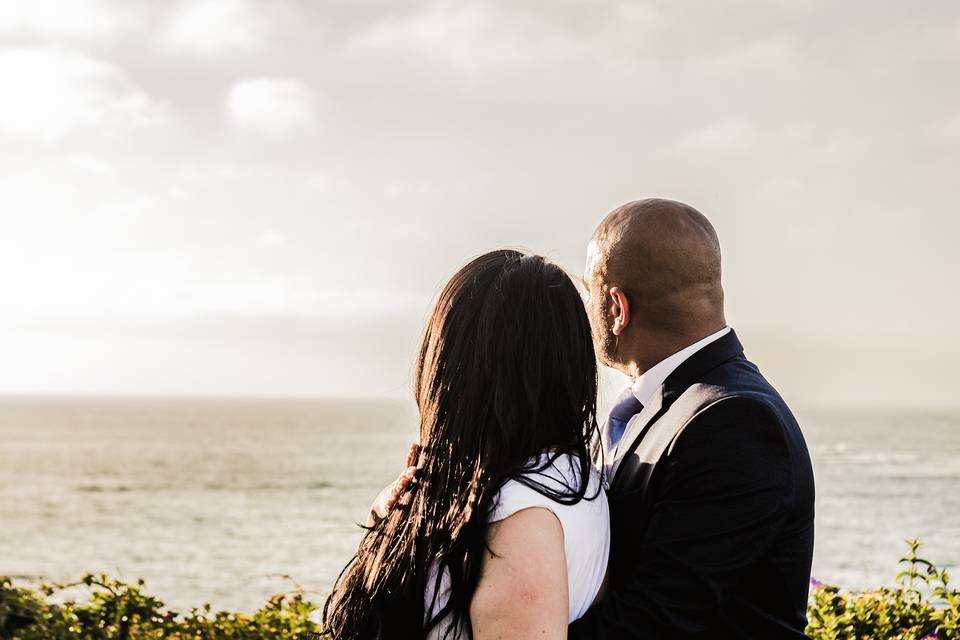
352 397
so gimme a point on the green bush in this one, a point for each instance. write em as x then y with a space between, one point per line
922 607
116 610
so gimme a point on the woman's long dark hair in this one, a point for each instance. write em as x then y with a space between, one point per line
506 371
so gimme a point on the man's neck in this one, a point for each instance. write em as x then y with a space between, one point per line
646 385
666 347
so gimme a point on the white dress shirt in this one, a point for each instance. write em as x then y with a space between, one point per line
645 387
647 384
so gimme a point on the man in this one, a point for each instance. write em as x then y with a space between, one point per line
711 487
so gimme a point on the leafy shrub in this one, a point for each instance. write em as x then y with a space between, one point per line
922 607
119 611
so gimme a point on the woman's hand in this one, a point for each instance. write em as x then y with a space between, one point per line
397 490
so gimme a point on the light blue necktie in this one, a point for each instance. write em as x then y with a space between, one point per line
627 406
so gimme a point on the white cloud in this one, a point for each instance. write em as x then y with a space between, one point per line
468 38
73 19
463 36
92 166
272 105
51 91
729 135
209 27
776 52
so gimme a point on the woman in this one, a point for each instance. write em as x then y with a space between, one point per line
507 531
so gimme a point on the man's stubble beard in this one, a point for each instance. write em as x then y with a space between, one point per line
604 341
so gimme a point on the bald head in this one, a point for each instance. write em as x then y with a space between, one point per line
665 258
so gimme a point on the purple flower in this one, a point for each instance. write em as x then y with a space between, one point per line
933 635
816 584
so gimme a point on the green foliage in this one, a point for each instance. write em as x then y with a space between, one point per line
116 610
922 607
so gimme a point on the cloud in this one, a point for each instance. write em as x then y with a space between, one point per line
92 166
464 36
75 19
477 37
766 53
210 27
272 105
725 136
51 91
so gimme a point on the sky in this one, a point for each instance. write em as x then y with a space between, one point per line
240 197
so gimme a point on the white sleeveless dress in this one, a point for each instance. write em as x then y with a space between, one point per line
586 534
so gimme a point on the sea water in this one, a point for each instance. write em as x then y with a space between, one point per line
229 501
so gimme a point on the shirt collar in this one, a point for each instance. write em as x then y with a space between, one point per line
647 384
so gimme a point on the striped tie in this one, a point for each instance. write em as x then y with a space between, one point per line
627 406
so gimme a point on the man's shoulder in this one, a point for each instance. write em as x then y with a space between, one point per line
737 383
734 406
734 392
731 407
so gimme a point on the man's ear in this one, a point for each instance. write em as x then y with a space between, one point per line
620 309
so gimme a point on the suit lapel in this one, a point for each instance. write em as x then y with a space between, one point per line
691 370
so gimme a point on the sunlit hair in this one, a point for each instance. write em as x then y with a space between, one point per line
506 371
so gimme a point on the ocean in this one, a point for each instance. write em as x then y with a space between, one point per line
229 501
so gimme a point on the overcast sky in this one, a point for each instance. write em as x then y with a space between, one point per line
241 197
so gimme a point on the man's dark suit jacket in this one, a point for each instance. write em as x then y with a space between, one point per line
711 507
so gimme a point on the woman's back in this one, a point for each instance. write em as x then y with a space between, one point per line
506 365
586 532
